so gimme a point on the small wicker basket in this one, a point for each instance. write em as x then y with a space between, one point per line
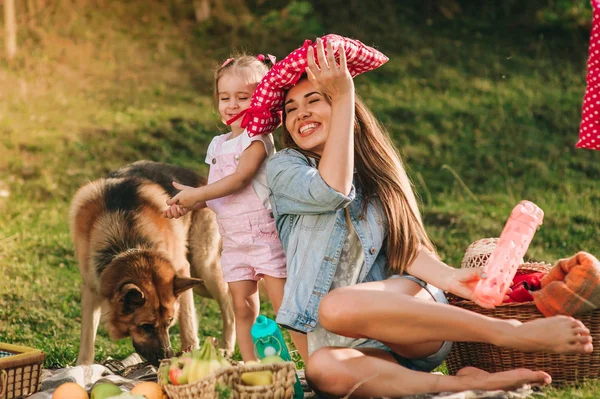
563 368
207 388
284 377
20 370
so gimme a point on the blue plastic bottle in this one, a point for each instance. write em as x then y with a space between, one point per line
268 341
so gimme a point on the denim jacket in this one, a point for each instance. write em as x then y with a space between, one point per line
311 223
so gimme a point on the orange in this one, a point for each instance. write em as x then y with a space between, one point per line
70 390
149 389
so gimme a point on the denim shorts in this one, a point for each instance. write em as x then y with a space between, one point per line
427 363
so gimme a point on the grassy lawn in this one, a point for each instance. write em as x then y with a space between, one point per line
483 120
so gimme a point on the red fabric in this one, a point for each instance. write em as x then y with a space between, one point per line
523 285
589 129
264 114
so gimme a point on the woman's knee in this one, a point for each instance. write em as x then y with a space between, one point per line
326 375
338 310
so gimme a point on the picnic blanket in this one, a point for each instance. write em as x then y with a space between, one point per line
524 392
128 372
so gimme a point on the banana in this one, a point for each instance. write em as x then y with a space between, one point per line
255 378
200 363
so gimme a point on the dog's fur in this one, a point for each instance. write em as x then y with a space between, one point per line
135 264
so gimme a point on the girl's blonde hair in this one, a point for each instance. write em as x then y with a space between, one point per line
380 175
247 66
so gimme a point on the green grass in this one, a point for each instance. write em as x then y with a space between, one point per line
483 120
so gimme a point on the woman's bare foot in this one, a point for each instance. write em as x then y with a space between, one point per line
557 334
475 378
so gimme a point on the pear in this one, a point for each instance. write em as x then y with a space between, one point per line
271 359
105 390
251 362
163 374
127 395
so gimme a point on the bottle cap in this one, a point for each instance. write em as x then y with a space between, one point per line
263 326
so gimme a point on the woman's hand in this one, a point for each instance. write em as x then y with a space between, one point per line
330 78
463 284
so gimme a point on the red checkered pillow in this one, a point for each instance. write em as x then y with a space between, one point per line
589 130
264 114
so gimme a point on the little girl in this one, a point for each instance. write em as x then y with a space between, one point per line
237 192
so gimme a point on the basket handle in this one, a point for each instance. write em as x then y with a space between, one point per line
3 377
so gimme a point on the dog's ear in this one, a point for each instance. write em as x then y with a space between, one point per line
181 284
132 297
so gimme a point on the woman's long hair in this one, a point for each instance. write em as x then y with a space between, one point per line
380 174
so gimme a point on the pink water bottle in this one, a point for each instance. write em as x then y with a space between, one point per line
502 265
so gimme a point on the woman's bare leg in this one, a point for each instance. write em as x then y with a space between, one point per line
383 311
335 372
275 291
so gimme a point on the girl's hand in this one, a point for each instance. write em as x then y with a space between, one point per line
464 283
330 78
175 212
188 197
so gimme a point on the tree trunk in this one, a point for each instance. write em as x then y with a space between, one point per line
10 24
240 16
202 10
31 14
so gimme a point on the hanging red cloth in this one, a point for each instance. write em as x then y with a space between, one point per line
589 129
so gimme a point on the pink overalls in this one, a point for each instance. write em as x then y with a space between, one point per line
251 246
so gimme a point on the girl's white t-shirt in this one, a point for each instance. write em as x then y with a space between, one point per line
259 183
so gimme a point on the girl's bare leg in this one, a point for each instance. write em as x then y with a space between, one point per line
245 307
388 312
334 372
275 291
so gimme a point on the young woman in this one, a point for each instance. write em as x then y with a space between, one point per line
362 273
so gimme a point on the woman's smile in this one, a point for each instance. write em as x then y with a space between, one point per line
307 128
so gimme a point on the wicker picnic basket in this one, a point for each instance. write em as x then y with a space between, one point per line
20 370
284 376
564 368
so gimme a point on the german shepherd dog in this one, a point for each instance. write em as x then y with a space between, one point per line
138 267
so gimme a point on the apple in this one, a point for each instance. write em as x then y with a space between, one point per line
179 370
105 390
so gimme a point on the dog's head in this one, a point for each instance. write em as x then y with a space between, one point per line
142 291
